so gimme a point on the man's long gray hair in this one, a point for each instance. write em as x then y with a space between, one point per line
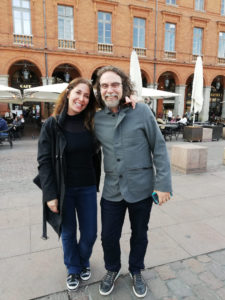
126 84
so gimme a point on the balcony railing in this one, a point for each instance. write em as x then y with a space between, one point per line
169 55
25 40
66 44
107 48
221 60
140 51
195 56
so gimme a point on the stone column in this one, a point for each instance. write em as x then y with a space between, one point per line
179 100
4 79
223 106
153 101
44 80
204 114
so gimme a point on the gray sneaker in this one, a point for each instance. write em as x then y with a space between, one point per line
107 283
139 285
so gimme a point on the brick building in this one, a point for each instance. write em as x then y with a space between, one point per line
49 41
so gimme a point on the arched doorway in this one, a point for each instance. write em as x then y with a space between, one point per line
22 75
65 73
216 99
166 82
188 92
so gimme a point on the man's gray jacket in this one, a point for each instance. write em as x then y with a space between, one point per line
136 161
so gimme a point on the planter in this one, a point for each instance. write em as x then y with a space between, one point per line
216 131
192 133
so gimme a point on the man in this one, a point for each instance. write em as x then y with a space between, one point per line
133 146
169 115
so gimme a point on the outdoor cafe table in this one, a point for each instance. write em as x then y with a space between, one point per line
169 129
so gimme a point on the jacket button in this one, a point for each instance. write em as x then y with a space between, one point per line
121 176
118 159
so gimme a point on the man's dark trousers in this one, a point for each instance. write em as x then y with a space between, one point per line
113 214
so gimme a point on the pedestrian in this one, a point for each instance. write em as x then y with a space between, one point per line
69 182
3 127
169 115
134 150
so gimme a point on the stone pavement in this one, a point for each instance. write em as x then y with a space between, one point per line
185 257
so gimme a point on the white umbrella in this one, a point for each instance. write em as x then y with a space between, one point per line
44 93
197 87
10 95
157 94
135 74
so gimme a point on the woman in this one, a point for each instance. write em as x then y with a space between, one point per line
69 172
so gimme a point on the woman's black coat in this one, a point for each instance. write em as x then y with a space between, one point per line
51 160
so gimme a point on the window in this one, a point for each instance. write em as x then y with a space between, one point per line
104 27
223 7
21 17
170 31
65 23
221 50
139 33
197 41
173 2
199 4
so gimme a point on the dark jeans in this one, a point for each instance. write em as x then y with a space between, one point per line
113 214
81 201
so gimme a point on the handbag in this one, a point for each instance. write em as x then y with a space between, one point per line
37 181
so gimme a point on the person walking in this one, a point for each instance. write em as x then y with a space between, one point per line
136 163
69 169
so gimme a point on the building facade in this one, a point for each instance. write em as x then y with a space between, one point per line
44 42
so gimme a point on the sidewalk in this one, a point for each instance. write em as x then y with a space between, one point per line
185 257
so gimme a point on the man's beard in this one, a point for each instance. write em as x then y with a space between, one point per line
111 103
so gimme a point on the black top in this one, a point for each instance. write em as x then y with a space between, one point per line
79 152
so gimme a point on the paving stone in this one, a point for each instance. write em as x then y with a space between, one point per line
177 265
149 274
165 272
219 257
211 280
221 293
188 277
217 270
204 258
204 293
179 288
190 298
81 294
194 265
57 296
158 288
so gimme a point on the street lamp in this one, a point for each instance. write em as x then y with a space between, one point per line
67 76
167 82
26 72
218 83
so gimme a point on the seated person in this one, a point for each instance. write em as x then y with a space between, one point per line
3 126
183 120
173 120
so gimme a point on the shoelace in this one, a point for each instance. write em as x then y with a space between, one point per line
109 277
138 278
72 278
